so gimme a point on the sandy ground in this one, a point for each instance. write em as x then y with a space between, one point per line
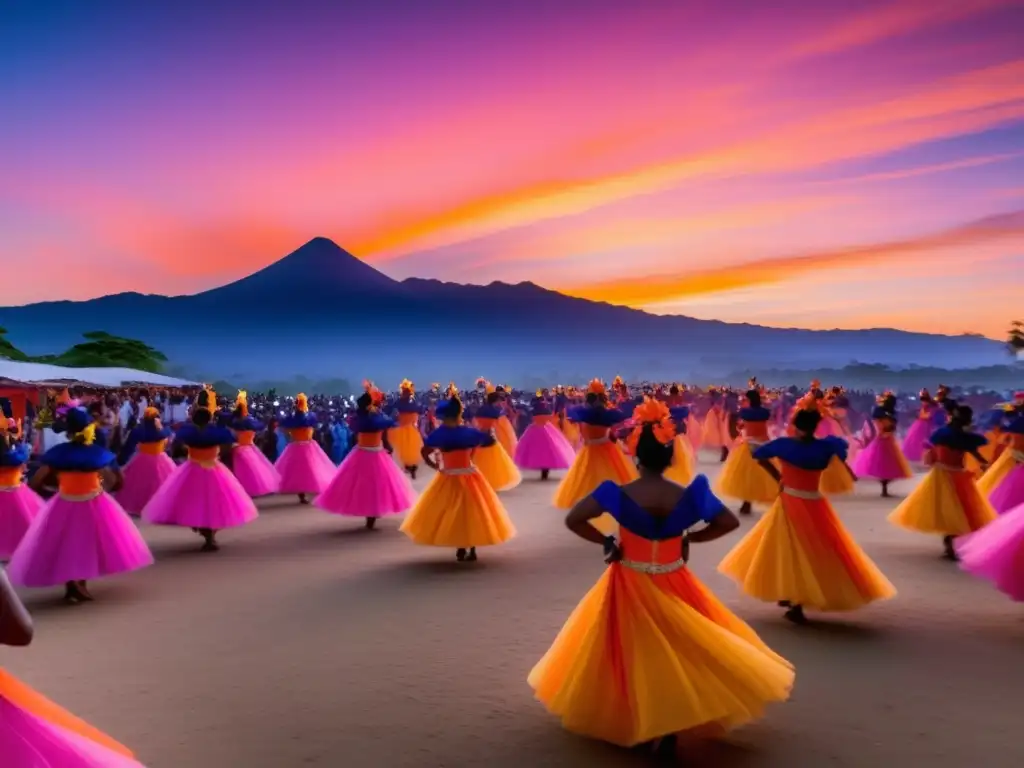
309 641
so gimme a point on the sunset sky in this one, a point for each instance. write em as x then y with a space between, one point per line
816 164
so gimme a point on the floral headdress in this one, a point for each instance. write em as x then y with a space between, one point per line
301 403
242 403
657 414
596 387
376 396
407 386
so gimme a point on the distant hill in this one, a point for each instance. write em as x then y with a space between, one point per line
322 312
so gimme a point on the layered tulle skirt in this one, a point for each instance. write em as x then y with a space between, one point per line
541 447
996 553
744 479
497 467
458 509
836 480
882 459
76 540
640 659
367 484
506 434
143 475
594 464
800 552
716 433
1010 491
915 441
203 495
254 471
36 733
407 443
681 470
304 468
19 506
997 472
946 502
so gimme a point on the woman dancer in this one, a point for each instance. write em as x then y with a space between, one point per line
148 465
681 470
35 732
254 471
542 447
799 554
458 509
303 467
1012 455
202 494
599 459
1009 492
996 553
81 533
505 429
493 460
716 426
947 502
650 656
743 478
882 458
405 437
368 483
19 504
916 440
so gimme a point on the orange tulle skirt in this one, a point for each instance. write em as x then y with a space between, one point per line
458 510
945 502
681 470
506 435
744 479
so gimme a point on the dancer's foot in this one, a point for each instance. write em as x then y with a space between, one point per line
83 590
544 474
746 508
72 595
471 555
460 554
949 551
796 615
785 604
303 499
209 540
725 454
885 489
370 523
412 471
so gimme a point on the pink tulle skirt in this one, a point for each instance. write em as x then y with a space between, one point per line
882 459
829 427
996 553
916 439
78 540
542 446
368 483
18 508
304 468
198 496
1009 494
29 741
143 475
254 471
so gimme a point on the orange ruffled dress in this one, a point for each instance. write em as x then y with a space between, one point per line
598 460
743 478
493 461
649 651
716 429
947 501
799 551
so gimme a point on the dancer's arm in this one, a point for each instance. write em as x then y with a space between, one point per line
427 452
771 469
38 481
113 478
15 621
725 522
579 517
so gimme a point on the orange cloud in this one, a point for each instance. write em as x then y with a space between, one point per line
924 170
638 292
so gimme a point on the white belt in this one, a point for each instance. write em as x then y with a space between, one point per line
798 494
597 440
755 444
948 467
371 448
459 471
654 568
1018 456
9 488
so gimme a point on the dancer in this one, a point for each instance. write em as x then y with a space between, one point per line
368 483
947 502
650 656
743 478
405 437
916 440
681 470
19 504
882 459
202 494
505 429
35 732
996 553
716 426
458 509
563 405
1011 458
542 447
303 467
1009 492
493 460
254 471
599 459
148 465
799 555
81 533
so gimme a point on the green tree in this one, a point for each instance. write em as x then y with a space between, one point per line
103 350
1015 338
8 351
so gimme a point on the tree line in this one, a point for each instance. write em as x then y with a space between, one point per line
99 350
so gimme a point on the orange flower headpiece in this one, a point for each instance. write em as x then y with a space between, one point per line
301 403
618 383
211 399
808 403
452 393
883 397
816 384
941 392
376 396
657 414
407 386
596 387
242 403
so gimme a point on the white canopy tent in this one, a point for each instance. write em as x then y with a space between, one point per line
40 374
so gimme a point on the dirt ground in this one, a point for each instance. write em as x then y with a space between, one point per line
309 641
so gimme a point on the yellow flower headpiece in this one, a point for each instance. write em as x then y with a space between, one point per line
88 435
407 386
618 382
452 393
301 403
242 403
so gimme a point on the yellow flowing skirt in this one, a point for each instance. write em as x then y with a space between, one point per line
744 479
836 480
635 662
799 551
571 430
681 471
945 503
407 442
989 481
595 463
497 467
506 435
458 511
